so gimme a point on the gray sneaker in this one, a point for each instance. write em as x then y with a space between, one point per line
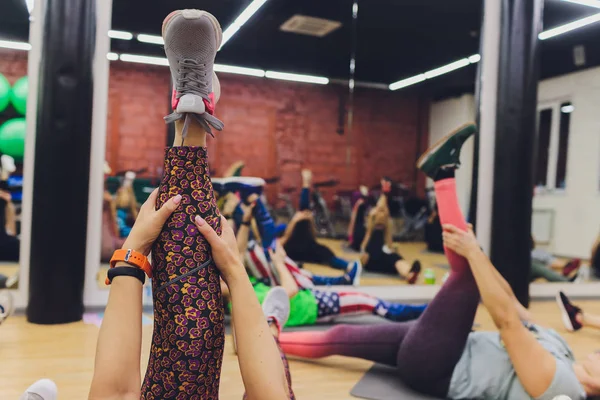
276 306
192 38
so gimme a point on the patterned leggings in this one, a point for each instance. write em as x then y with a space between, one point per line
332 304
188 338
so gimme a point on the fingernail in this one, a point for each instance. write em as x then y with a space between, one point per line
200 221
177 199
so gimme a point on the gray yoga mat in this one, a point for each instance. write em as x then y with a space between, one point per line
381 383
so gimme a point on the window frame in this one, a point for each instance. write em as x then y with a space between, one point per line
553 149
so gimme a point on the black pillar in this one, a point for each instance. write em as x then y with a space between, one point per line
514 142
62 162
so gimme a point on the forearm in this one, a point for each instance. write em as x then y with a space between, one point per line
259 359
242 239
495 296
524 314
287 280
118 352
289 229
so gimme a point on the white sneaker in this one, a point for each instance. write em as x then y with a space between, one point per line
276 305
44 389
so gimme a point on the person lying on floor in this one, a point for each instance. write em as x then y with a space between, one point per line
309 304
438 354
258 260
300 237
377 246
543 265
262 224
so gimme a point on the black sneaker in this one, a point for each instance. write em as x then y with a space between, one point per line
569 312
445 153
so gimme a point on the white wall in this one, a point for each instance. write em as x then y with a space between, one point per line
577 209
444 117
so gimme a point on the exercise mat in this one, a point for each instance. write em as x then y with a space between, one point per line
381 383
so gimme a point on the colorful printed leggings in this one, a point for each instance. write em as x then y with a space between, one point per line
188 338
424 351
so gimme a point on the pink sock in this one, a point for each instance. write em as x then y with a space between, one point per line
309 344
450 213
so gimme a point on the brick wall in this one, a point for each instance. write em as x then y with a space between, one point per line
276 127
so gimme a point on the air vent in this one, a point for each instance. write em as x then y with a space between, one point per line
305 25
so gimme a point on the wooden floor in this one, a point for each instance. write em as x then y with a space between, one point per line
65 353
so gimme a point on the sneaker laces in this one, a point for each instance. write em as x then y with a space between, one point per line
192 81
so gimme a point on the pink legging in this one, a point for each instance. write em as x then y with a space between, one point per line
424 351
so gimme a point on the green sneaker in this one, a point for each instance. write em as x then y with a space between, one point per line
445 153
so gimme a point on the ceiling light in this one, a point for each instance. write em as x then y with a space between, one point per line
112 56
571 26
475 58
241 20
120 35
447 68
591 3
7 44
569 108
150 39
144 59
239 70
407 82
297 77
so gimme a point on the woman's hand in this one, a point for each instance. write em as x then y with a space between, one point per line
149 223
278 256
224 248
461 242
249 209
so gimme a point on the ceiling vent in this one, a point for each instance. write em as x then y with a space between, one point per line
311 26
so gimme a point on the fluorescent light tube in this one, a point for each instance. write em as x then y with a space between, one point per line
571 26
144 59
153 39
239 70
407 82
590 3
297 77
7 44
241 20
120 35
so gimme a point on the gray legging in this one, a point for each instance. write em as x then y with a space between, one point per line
540 270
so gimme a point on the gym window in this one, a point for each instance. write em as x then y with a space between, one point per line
550 172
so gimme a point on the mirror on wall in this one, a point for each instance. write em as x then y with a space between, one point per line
14 90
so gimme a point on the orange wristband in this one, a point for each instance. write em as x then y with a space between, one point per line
133 258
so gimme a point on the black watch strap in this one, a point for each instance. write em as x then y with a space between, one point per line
246 223
126 271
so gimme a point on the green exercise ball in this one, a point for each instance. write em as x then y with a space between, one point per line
4 93
12 138
19 94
